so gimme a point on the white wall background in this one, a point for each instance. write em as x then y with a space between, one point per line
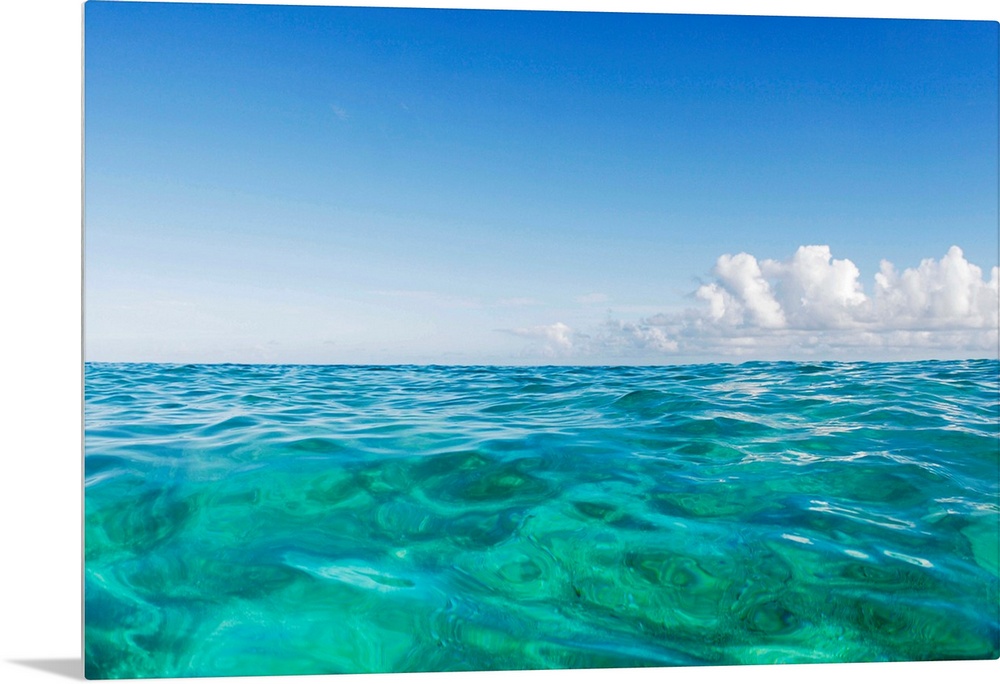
40 386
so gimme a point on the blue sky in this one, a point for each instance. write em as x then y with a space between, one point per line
337 185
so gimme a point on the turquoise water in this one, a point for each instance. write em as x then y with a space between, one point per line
333 519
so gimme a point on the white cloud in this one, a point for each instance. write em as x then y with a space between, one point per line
550 340
813 305
945 294
814 291
623 336
817 291
741 295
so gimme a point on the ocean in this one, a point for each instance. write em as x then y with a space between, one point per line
270 519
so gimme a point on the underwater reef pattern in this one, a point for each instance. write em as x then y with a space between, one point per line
250 519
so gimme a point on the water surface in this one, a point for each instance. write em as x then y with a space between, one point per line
338 519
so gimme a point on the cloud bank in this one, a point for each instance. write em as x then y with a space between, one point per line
549 341
814 291
813 305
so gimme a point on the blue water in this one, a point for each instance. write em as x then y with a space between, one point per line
333 519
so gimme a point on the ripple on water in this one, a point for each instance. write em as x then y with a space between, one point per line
321 519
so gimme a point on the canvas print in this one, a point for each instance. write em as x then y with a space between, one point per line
434 340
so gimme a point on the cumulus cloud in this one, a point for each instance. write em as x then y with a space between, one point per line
741 295
813 304
815 290
945 294
550 340
812 290
646 335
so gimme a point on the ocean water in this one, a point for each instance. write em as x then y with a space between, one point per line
249 519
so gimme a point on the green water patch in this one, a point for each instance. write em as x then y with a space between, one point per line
391 519
147 519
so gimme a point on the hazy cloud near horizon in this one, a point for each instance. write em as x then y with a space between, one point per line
809 305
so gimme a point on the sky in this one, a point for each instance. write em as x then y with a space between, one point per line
279 184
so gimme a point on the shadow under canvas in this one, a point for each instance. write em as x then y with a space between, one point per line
71 668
